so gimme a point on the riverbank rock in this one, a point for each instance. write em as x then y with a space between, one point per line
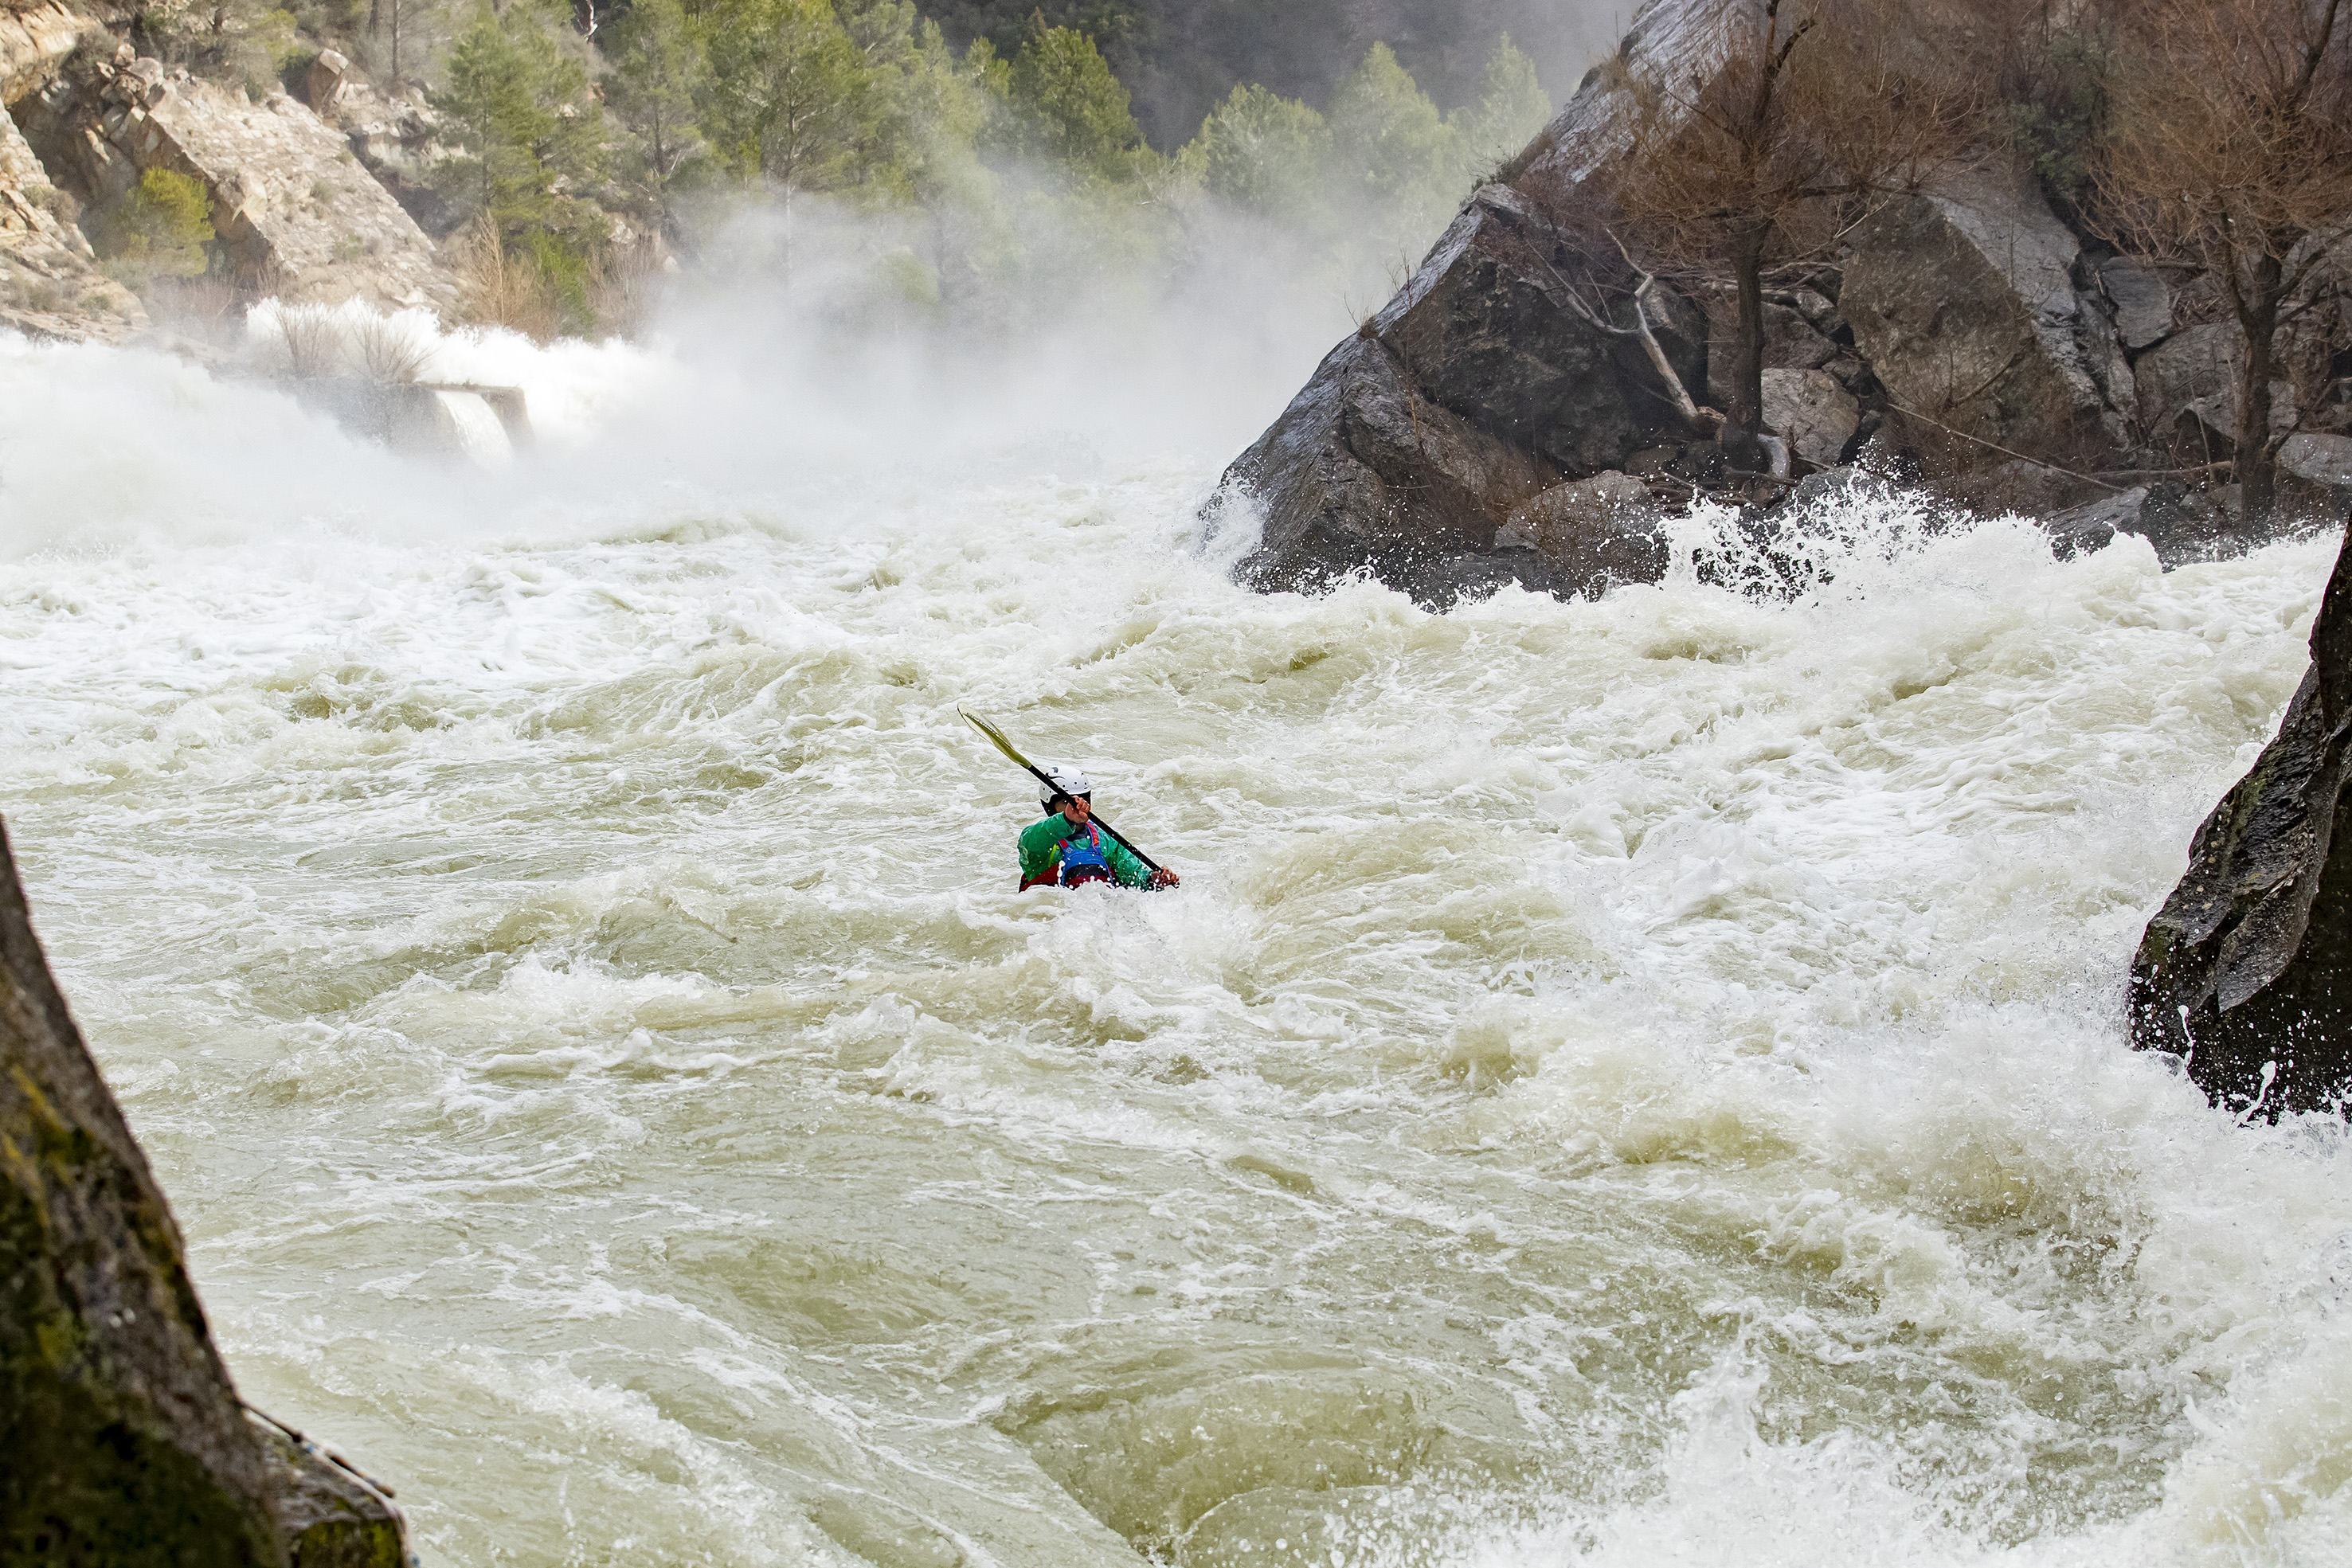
125 1440
1505 365
2246 971
37 37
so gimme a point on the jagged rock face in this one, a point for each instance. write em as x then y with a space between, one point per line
1971 304
49 283
1818 417
1484 329
298 215
2247 969
126 1444
1964 302
1364 472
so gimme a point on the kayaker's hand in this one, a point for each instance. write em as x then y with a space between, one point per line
1075 811
1163 878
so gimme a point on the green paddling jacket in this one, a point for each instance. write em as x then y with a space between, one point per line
1042 844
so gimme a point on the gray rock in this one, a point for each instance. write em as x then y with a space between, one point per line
2247 969
1963 300
1480 384
1818 416
2316 459
1596 532
1483 327
36 37
126 1442
2182 524
51 286
298 218
1364 473
2087 529
1470 393
2192 372
1790 343
2142 300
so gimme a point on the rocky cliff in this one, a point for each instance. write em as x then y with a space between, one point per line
125 1441
299 210
1963 334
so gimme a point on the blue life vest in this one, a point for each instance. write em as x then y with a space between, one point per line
1083 859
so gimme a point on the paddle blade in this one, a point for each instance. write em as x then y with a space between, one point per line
997 735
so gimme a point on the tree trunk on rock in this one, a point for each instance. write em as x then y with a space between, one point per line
2257 300
1744 420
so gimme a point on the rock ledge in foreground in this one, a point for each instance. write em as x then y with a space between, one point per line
125 1442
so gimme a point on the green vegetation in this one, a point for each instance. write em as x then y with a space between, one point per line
160 229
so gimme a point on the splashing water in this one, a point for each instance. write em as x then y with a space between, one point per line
1623 1083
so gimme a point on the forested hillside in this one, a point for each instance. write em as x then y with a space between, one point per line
1180 56
963 167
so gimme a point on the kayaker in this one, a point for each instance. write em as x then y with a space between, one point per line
1065 849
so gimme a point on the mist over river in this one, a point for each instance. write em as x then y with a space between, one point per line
1623 1083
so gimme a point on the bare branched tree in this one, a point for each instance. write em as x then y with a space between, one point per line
314 340
2229 144
389 348
1822 111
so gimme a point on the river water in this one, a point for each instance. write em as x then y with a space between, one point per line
1622 1082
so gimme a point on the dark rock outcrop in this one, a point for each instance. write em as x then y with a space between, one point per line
2247 969
1471 393
1961 337
125 1442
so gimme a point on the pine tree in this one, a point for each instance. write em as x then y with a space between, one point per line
518 105
1264 152
659 75
791 97
1512 106
1393 153
1068 108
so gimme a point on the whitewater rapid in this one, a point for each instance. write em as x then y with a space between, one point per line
1623 1083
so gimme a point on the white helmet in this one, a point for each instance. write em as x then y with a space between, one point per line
1067 781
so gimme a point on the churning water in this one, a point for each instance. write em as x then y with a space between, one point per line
1623 1083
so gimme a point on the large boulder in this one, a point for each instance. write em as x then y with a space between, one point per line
1818 417
1971 305
126 1443
1364 472
1503 366
2246 971
297 214
1964 300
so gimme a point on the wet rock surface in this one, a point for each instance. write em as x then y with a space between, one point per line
2246 972
126 1442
